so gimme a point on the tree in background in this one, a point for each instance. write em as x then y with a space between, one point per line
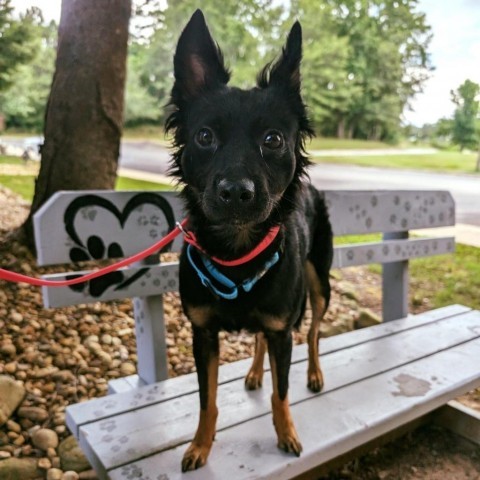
381 65
16 42
364 60
84 114
243 29
23 104
464 129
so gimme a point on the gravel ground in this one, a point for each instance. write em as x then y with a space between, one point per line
66 355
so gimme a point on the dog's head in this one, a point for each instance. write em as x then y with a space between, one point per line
240 153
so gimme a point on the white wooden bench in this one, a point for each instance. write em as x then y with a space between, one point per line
378 380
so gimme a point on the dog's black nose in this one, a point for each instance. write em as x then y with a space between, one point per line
236 193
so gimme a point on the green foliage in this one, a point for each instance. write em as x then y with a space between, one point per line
24 102
364 60
17 37
242 28
379 61
464 130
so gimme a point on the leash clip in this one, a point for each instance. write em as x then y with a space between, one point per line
185 232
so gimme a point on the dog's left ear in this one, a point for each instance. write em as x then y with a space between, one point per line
286 71
198 62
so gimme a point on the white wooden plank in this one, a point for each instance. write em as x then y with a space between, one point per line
390 251
100 408
329 425
172 422
133 220
388 211
128 283
350 212
163 278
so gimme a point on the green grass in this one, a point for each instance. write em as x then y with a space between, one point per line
5 159
448 279
319 143
453 162
24 185
124 183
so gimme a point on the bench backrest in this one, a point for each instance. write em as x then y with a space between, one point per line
94 225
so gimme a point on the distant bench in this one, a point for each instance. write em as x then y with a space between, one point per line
378 380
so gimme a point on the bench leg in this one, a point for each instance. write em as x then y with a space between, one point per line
205 350
280 354
254 377
395 284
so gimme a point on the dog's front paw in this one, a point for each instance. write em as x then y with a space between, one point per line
253 380
315 381
289 442
195 457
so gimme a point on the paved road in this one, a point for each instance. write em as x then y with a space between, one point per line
151 157
465 189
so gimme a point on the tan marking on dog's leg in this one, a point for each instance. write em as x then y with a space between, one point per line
282 419
317 301
200 316
198 451
254 377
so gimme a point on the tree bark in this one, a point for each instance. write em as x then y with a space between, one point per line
84 113
341 128
477 167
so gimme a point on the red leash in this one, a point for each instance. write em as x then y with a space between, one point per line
180 228
17 277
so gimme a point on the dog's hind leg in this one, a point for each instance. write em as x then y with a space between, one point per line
280 354
205 350
319 296
254 377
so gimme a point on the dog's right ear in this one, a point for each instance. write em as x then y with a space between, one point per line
198 61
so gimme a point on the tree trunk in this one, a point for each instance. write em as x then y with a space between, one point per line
351 129
341 128
477 167
84 113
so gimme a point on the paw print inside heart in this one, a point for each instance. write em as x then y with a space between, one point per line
96 250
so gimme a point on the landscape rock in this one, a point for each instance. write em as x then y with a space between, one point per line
70 475
20 469
54 474
12 394
45 438
35 414
367 318
71 456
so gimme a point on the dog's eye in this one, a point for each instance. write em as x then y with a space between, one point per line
204 137
273 140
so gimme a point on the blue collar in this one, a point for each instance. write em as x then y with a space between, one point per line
231 288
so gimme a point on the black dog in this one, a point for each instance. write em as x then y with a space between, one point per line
262 236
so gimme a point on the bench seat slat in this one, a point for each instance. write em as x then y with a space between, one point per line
328 425
105 407
172 422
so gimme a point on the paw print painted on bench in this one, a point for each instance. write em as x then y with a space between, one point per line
108 426
95 250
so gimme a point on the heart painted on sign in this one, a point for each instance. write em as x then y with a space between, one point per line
96 248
